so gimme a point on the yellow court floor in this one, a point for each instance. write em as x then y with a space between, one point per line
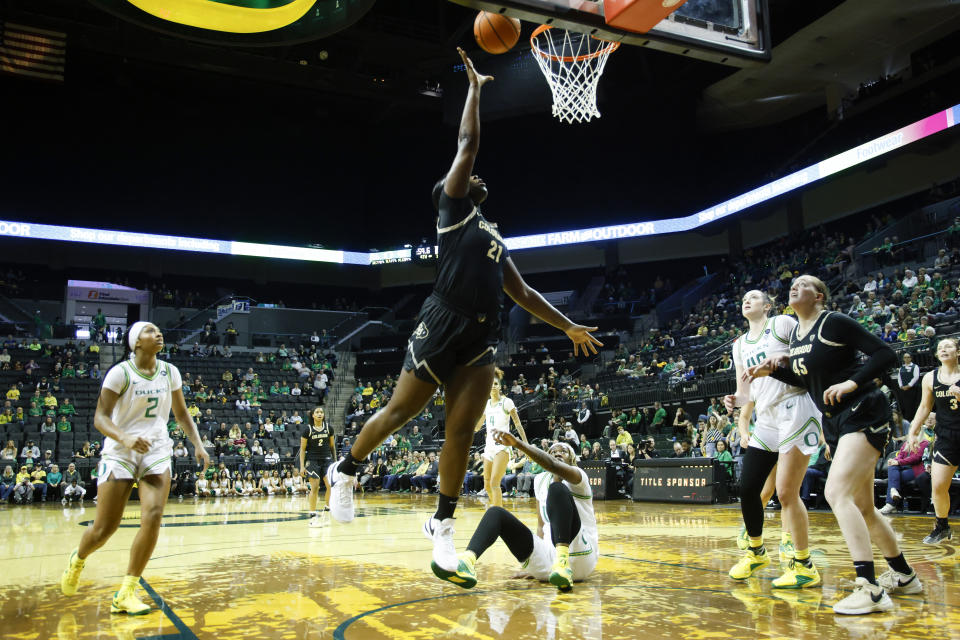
251 568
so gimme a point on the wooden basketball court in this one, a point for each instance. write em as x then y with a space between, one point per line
251 568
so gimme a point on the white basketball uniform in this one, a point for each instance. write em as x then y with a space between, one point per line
584 551
142 410
497 418
786 415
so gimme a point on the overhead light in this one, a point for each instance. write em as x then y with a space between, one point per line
432 89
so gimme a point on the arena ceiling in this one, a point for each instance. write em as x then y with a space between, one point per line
330 141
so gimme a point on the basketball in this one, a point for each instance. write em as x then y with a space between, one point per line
496 33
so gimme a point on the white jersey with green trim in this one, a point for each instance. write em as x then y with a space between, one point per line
582 498
497 418
773 340
143 407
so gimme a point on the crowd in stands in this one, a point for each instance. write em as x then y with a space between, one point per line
250 407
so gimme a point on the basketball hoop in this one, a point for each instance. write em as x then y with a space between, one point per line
572 63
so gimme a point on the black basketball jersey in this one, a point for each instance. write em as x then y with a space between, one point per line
829 354
318 441
946 406
470 259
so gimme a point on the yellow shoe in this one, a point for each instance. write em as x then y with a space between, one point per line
787 550
71 575
562 575
127 602
749 564
798 576
466 574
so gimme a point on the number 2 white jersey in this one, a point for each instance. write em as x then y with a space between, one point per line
143 407
774 340
497 417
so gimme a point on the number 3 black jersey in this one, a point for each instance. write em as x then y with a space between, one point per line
946 406
470 260
828 354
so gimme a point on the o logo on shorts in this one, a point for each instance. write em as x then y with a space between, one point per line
808 436
422 332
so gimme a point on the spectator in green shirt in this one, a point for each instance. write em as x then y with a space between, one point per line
64 426
659 415
35 411
724 457
416 438
66 409
275 389
69 371
284 389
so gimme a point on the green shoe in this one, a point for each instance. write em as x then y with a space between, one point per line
465 576
743 540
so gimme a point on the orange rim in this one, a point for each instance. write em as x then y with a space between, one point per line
611 47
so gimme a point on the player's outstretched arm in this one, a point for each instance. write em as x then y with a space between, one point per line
531 300
548 462
457 182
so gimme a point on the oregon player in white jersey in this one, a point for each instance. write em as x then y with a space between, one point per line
564 548
787 432
497 415
132 413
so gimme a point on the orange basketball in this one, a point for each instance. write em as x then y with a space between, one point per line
496 33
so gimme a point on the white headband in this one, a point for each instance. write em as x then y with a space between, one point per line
569 448
134 333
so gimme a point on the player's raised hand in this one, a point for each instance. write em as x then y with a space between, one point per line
476 79
582 340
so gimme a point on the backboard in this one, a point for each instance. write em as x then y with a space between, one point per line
732 32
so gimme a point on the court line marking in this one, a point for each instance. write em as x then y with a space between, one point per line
340 631
684 566
185 632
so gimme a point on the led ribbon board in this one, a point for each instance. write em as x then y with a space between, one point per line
858 155
242 22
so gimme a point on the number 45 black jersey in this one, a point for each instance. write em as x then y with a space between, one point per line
470 260
829 353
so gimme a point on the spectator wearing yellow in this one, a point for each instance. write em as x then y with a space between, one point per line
49 400
623 437
13 393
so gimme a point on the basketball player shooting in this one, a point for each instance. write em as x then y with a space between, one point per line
455 340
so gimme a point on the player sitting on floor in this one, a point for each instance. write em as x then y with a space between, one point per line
564 549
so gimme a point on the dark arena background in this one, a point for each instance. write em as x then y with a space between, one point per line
254 178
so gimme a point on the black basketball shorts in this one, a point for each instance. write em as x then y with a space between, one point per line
870 414
315 466
946 448
446 338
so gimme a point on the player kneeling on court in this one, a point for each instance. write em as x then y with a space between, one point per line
564 549
132 412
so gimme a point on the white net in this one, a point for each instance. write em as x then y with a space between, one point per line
572 63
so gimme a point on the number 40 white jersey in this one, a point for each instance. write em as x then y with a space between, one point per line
773 340
143 407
